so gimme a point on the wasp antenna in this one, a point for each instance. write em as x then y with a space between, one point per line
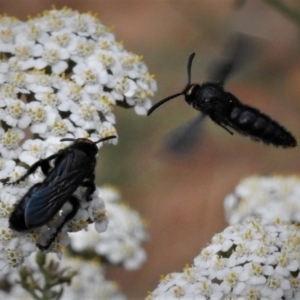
155 106
67 140
106 138
189 68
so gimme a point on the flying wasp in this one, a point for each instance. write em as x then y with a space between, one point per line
227 111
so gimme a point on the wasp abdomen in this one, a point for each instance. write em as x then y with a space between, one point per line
252 122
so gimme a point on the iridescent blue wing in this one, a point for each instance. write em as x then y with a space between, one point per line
48 200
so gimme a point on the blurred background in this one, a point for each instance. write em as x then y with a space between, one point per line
181 196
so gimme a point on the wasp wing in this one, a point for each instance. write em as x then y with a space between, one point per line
240 47
48 200
69 172
182 140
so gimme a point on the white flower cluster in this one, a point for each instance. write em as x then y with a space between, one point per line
121 242
88 283
266 197
61 74
254 260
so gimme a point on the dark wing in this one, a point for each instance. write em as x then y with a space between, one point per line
182 140
240 47
48 200
68 173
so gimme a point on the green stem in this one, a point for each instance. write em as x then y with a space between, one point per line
26 286
285 10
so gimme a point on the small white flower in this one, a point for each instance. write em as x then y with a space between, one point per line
65 39
53 56
8 92
60 128
6 167
124 87
91 76
15 114
38 82
50 99
79 222
42 117
142 101
81 49
33 33
71 94
9 143
274 288
97 213
19 80
104 103
26 50
147 82
233 281
7 37
107 129
129 64
257 273
22 187
34 150
85 116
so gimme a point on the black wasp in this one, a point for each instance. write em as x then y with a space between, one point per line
74 166
227 111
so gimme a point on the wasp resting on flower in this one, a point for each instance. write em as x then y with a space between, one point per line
74 166
61 76
226 110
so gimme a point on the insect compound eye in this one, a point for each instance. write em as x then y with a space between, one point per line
191 93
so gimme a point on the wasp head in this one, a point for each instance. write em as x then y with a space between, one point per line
87 145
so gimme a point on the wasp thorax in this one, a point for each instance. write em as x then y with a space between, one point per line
209 92
203 96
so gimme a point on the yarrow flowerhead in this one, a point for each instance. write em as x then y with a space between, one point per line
79 279
90 283
254 260
61 75
266 197
120 244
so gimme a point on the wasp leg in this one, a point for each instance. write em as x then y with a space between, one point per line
75 206
90 185
215 119
223 126
43 163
